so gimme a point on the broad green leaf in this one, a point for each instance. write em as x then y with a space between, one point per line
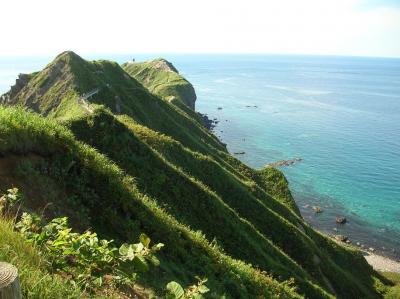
137 247
154 260
145 240
203 289
175 289
157 247
140 263
123 250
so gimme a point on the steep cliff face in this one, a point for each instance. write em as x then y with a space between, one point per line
113 156
163 79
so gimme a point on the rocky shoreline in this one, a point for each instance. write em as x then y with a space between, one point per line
338 231
382 263
349 231
380 258
378 261
208 123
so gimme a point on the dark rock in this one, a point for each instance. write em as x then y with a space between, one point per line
219 108
341 238
208 123
317 209
341 220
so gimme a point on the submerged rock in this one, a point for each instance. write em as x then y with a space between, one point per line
317 209
341 220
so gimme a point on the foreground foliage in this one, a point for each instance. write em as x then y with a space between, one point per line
83 258
175 290
37 282
83 261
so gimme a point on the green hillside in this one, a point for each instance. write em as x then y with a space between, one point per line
162 78
112 152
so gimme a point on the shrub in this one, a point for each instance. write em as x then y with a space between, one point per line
85 259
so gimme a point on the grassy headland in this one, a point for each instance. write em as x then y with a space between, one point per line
127 160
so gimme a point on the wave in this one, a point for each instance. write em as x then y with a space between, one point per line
224 80
313 92
297 90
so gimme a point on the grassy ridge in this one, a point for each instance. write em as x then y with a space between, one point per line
178 169
123 210
166 175
161 78
170 183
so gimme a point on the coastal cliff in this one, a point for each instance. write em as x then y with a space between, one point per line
163 79
121 150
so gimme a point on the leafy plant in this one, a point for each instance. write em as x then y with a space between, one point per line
85 259
196 291
9 199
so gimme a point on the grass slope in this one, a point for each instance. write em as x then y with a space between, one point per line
168 176
162 78
111 203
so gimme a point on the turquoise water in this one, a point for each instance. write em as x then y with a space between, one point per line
341 115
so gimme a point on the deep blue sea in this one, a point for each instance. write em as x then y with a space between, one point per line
341 115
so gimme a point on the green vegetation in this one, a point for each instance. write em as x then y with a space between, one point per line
127 161
175 290
80 265
162 78
36 279
275 183
87 261
392 291
55 170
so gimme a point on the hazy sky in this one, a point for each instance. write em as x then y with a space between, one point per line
340 27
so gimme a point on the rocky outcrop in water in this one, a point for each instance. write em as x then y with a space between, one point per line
208 123
341 220
285 162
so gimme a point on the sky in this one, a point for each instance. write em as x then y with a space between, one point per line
324 27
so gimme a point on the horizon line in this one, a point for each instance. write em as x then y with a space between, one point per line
199 53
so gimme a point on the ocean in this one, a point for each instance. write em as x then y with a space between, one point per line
340 115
